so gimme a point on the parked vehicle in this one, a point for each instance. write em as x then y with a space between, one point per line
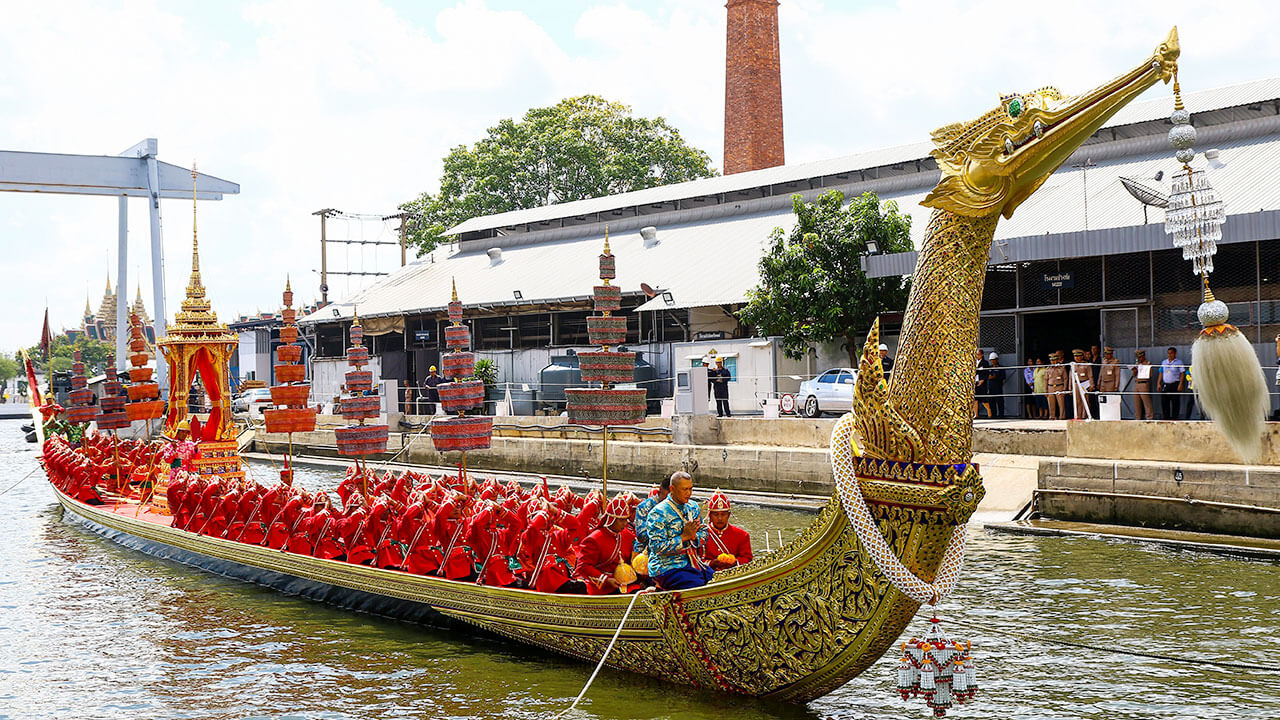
252 402
832 391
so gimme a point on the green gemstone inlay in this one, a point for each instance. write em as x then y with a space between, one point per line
1015 107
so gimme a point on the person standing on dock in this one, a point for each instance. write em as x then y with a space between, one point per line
1172 382
1056 379
676 537
720 377
1143 378
432 394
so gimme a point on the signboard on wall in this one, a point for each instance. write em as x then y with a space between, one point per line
709 335
1061 280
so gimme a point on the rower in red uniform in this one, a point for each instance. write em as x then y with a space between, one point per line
283 523
546 548
422 553
355 531
607 547
727 545
459 561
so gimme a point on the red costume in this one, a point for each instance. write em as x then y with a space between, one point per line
732 540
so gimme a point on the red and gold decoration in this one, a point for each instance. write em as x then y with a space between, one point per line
361 439
937 669
198 347
462 393
81 410
290 397
112 416
144 393
606 405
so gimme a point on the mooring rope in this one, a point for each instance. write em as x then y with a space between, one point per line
20 481
607 650
1180 659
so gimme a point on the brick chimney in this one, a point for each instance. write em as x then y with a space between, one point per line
752 87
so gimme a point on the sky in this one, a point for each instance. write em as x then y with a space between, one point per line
353 104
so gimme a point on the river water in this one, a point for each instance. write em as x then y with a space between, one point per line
92 630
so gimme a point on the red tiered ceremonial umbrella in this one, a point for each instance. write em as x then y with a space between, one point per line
112 415
606 405
359 440
463 393
292 413
144 394
81 410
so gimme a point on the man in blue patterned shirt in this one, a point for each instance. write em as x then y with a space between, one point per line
676 534
646 506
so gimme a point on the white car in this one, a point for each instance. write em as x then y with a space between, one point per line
832 391
252 402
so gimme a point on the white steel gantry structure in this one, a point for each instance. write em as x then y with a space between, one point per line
136 172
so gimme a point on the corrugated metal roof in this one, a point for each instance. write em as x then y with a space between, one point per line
1260 91
700 263
1050 224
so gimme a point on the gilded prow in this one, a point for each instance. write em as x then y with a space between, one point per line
989 166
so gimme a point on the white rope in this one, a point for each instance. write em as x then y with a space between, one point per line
855 506
607 650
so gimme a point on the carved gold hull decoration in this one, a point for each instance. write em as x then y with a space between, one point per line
793 626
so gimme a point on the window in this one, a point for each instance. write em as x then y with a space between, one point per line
846 378
829 376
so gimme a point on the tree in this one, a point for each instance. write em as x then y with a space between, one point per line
8 370
812 288
579 148
93 353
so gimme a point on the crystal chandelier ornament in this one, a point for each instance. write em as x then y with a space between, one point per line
1227 376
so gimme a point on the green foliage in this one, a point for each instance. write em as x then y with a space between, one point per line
581 147
812 288
487 372
94 354
9 369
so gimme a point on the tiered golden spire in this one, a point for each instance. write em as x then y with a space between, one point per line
196 316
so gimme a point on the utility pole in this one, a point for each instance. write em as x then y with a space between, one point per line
403 217
324 264
1084 175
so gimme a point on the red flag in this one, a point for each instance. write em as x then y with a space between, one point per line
46 339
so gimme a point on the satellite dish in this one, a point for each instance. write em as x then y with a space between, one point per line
647 290
1145 194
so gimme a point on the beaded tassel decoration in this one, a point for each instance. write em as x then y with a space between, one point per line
1226 375
938 669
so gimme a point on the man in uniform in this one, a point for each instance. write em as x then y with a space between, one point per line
1109 374
676 537
1056 387
1144 377
432 394
727 545
646 506
1082 382
720 377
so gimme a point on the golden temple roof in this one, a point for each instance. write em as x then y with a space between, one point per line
196 321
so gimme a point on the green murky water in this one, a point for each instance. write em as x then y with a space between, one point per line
92 630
